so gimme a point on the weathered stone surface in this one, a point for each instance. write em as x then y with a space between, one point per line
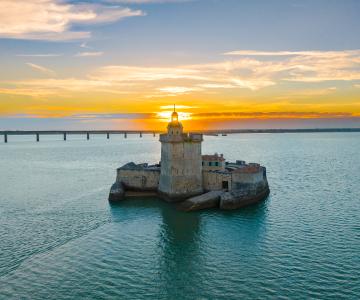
238 199
139 177
214 180
207 200
181 164
183 175
117 192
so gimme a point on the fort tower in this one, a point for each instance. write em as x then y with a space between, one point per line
181 163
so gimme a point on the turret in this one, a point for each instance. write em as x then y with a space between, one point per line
181 168
175 127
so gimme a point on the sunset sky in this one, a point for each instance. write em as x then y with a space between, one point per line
122 64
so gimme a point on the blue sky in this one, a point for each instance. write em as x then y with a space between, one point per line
203 29
83 38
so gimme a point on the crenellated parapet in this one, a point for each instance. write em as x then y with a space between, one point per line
181 138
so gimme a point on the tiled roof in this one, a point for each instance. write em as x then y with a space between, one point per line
248 169
213 157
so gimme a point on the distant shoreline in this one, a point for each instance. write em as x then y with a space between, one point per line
299 130
205 132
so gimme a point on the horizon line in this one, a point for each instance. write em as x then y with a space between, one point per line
119 131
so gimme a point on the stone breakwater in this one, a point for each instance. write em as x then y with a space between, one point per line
233 186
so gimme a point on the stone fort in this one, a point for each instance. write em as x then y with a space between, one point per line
185 175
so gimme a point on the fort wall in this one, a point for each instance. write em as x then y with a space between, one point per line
213 181
252 177
139 180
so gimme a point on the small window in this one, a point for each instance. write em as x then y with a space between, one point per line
202 163
217 164
209 163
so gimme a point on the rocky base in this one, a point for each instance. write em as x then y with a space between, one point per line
176 199
238 199
207 200
117 192
213 199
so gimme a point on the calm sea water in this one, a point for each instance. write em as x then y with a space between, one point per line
61 239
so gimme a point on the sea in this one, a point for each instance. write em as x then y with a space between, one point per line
60 238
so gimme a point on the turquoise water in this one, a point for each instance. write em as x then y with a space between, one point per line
61 239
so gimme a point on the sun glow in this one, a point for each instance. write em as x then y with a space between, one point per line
165 116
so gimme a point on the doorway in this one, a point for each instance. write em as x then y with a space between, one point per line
225 185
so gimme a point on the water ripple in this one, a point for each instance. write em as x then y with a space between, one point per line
61 239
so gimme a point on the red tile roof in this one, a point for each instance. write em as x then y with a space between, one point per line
214 157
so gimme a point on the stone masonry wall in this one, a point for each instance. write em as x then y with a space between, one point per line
181 167
212 181
255 180
142 180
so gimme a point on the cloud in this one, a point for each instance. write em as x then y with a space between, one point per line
210 116
222 74
52 19
52 86
26 92
87 54
217 86
304 66
273 115
252 84
40 55
146 1
85 45
248 73
308 93
171 107
130 73
293 53
41 69
178 90
127 116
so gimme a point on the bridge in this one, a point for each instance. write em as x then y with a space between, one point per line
125 133
65 133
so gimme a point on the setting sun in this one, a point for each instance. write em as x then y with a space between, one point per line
165 116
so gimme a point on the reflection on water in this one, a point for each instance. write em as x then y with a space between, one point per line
177 241
185 242
60 238
251 224
179 256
